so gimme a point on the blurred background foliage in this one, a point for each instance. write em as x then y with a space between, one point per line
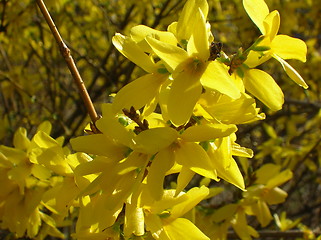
35 84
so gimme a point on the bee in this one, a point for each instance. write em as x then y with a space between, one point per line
215 50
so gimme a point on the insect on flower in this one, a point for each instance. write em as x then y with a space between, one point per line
215 50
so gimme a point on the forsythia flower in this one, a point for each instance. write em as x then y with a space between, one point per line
281 47
218 107
231 215
144 90
30 185
190 65
147 156
163 218
180 118
266 191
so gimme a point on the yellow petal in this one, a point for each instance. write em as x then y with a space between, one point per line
140 32
289 48
135 54
61 196
155 226
10 156
272 24
205 132
98 144
194 196
262 212
20 139
43 140
168 201
275 196
97 166
193 156
182 228
139 92
4 162
225 212
240 225
19 174
238 111
52 225
185 24
45 127
172 28
239 151
116 194
8 185
216 77
40 172
112 128
54 159
152 140
198 44
257 11
255 59
243 230
162 162
263 87
34 223
232 174
222 149
184 177
163 99
266 172
291 72
134 221
170 54
279 179
226 166
96 211
135 161
184 93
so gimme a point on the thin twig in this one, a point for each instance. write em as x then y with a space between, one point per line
65 51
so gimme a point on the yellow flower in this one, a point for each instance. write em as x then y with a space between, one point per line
144 90
232 215
96 218
263 87
184 154
189 65
218 107
221 153
284 223
28 174
154 150
281 46
164 220
266 191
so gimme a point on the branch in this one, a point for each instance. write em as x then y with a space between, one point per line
65 51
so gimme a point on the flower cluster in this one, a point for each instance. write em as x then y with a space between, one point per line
33 175
179 118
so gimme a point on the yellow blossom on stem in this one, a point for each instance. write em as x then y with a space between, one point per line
164 220
281 46
266 192
191 70
37 177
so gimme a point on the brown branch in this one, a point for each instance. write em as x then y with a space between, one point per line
65 51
